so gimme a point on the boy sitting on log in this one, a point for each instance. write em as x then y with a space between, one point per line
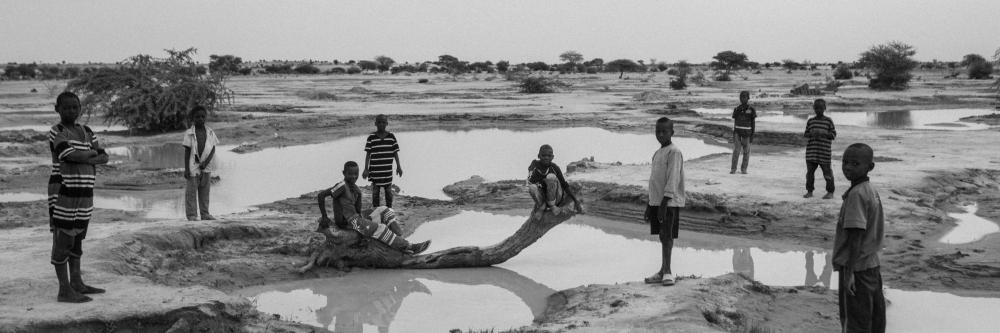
347 214
546 183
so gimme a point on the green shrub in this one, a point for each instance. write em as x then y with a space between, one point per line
353 70
678 83
539 85
722 76
306 69
980 70
892 63
149 93
278 69
842 73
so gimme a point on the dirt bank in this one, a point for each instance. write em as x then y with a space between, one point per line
729 303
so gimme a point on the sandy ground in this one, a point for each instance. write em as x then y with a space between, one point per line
156 269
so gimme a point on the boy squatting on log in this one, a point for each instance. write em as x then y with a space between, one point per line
347 214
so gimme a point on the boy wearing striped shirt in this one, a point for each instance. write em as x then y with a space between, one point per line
381 149
75 153
820 131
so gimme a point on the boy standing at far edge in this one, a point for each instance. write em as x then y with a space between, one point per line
381 149
744 125
820 131
856 246
666 197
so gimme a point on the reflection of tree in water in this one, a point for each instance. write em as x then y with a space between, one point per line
824 276
743 261
374 299
890 119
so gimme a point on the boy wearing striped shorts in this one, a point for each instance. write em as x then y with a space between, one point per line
75 152
347 214
820 131
381 149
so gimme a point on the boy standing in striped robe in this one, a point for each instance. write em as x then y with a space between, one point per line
75 152
820 131
381 149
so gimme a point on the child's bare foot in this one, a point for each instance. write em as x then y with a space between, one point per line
655 278
418 247
68 295
207 218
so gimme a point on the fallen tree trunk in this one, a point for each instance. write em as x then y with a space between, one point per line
346 248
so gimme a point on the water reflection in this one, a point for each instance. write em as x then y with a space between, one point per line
166 156
947 119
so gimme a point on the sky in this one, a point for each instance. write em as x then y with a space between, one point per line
514 30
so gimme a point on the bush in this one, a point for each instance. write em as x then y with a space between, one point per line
539 85
722 76
149 93
306 69
316 95
337 70
843 73
423 81
980 70
892 63
672 71
245 71
278 69
678 83
353 70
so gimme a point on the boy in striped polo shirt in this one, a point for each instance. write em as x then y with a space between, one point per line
820 131
381 149
75 152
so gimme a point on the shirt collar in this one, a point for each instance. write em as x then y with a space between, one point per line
854 184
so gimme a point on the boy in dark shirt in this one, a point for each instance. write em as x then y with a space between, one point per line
75 154
857 244
546 183
347 214
744 125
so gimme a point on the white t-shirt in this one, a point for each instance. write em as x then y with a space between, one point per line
191 141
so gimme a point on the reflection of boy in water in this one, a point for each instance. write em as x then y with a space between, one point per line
347 214
824 276
376 305
743 261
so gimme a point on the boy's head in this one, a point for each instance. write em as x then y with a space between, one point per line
858 161
198 115
350 172
664 130
381 121
819 106
744 97
68 107
545 154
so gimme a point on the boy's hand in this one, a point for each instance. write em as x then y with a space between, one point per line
850 281
364 175
399 171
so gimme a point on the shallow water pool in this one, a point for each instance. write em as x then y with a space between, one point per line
584 250
970 228
945 119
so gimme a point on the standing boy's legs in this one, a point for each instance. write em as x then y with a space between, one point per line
388 195
828 176
65 247
191 198
737 148
376 193
745 141
810 176
204 188
865 311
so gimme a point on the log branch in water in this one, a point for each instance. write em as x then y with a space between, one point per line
345 248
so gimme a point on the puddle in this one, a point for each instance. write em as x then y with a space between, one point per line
946 119
21 197
430 159
603 252
515 292
970 228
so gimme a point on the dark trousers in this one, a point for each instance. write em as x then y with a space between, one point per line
741 144
865 311
376 193
811 173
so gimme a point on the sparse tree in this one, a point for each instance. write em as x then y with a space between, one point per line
971 58
224 64
728 60
622 65
368 65
572 57
503 66
384 63
892 63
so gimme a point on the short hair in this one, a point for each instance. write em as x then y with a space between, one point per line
544 147
381 116
350 164
65 95
819 100
665 120
862 148
745 93
196 109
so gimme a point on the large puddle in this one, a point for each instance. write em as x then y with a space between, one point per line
431 160
970 228
946 119
45 128
583 251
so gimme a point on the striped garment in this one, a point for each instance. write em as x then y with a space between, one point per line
382 151
818 149
71 185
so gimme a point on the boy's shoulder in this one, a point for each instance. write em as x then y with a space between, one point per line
863 192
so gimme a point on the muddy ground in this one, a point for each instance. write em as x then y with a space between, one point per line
158 271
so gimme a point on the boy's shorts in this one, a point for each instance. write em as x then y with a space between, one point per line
65 246
671 224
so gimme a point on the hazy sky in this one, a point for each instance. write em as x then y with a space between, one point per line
529 30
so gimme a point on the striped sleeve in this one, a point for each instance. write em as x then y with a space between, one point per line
369 143
395 143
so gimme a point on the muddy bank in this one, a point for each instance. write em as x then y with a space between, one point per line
760 137
729 303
